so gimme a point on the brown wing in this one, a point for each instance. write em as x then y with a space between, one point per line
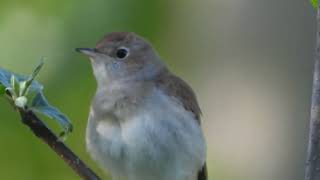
174 86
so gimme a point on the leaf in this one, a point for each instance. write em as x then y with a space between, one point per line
41 105
5 77
14 86
24 86
315 3
27 87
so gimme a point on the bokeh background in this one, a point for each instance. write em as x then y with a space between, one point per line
249 61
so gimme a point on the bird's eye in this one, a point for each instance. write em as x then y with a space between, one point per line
122 53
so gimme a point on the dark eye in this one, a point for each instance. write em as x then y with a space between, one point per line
122 53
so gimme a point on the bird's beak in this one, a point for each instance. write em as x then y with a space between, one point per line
91 52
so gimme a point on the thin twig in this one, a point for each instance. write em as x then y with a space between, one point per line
313 153
46 135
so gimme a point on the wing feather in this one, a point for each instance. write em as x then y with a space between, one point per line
176 87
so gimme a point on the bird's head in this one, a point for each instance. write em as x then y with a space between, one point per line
123 56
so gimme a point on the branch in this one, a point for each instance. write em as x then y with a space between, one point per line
46 135
23 92
313 154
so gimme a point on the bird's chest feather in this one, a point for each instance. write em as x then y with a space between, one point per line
159 140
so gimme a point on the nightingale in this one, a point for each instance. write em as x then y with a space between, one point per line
144 121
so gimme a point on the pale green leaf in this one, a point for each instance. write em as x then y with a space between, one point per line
25 85
14 85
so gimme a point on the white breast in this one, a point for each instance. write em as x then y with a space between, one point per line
159 141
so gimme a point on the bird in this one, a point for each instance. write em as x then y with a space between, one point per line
144 121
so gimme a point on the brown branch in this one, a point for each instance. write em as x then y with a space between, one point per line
313 153
46 135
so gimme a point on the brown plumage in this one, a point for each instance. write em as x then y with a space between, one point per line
179 89
112 37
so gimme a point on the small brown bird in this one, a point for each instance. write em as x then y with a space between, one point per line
144 122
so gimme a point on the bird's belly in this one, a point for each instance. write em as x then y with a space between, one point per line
105 145
149 145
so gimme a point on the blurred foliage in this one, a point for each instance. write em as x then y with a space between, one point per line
2 90
315 3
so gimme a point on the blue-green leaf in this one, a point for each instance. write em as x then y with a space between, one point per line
315 3
32 91
5 78
41 105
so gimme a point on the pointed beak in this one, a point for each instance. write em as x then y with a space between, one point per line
91 52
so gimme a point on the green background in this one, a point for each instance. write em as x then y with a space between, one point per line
249 62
